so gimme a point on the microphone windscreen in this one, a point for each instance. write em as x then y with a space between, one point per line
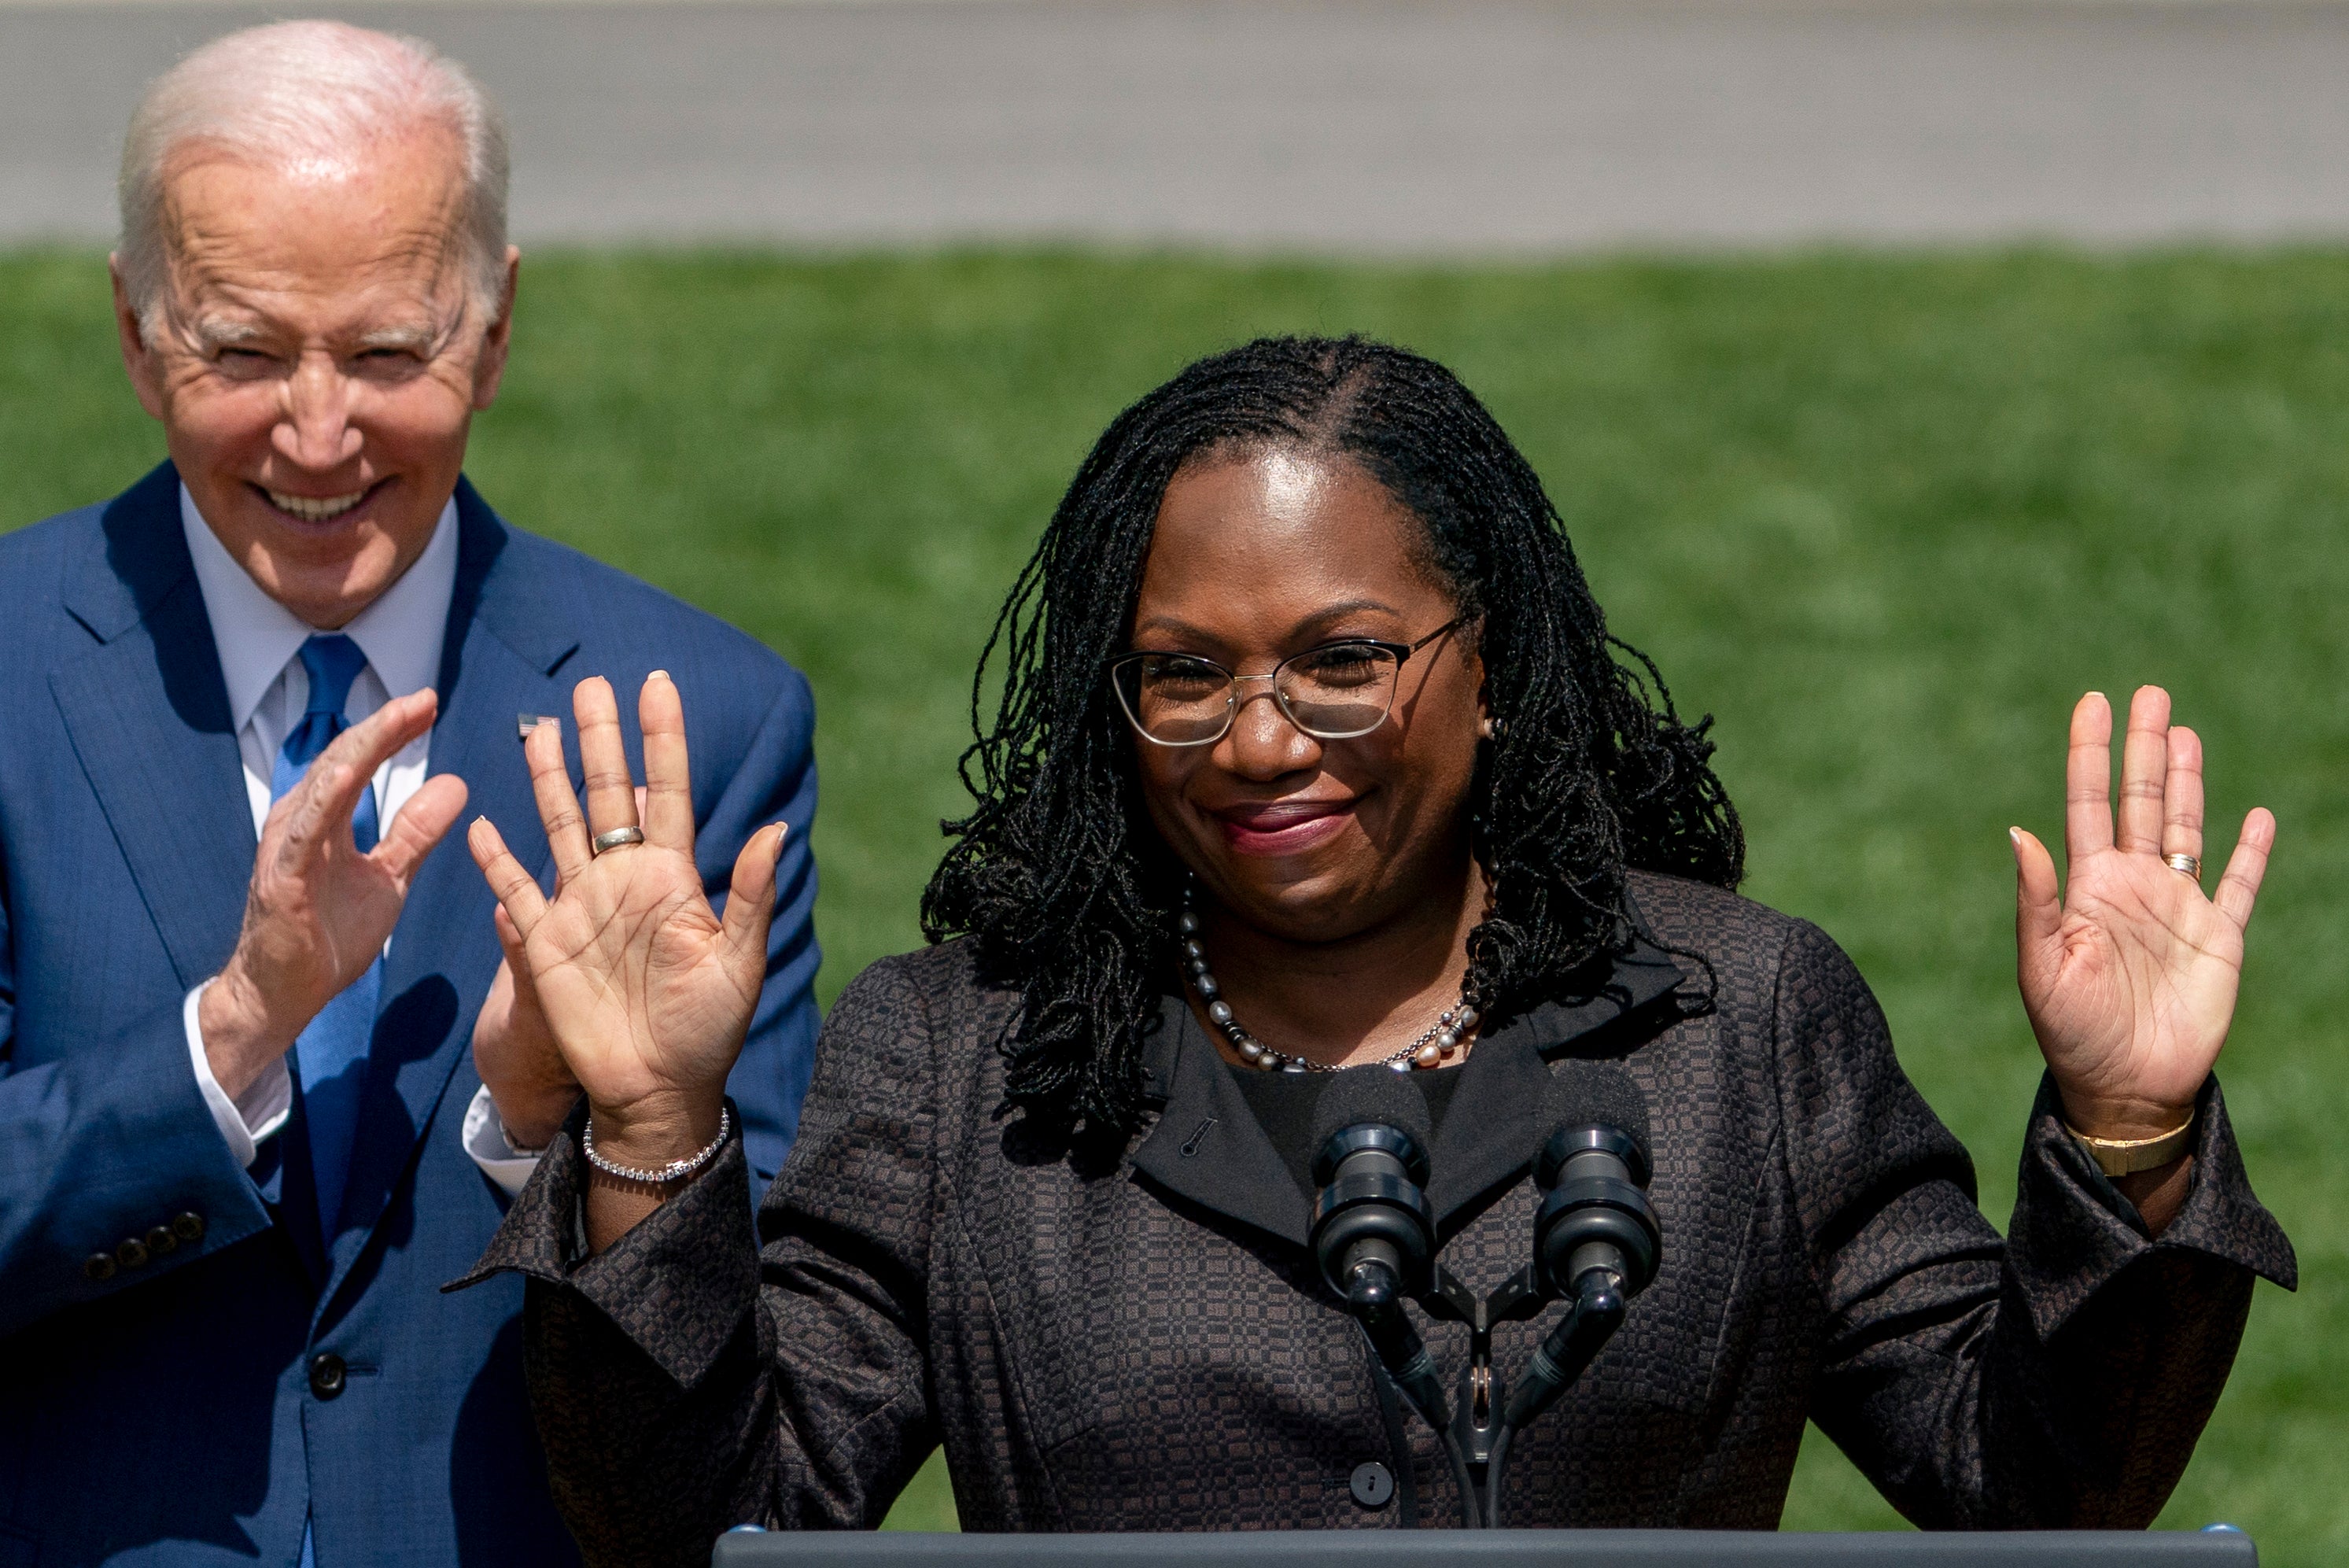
1598 1094
1379 1094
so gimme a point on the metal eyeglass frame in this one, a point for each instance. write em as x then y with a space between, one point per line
1402 651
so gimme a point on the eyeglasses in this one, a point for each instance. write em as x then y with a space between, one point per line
1333 693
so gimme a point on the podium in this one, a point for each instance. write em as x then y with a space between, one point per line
1495 1549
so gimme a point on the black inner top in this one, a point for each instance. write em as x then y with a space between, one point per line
1283 1104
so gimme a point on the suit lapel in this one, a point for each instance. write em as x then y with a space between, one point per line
147 715
1207 1147
499 655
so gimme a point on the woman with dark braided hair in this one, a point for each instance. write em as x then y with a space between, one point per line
1317 783
1572 778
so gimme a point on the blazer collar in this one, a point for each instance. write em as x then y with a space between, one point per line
1207 1149
148 717
498 591
141 558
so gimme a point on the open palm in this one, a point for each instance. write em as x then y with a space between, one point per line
2130 977
648 992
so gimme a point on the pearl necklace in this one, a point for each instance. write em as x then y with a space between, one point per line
1431 1049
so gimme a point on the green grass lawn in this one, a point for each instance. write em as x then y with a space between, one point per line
1886 517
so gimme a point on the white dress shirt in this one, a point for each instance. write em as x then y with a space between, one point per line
260 643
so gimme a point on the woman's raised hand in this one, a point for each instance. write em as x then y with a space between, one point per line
647 993
2130 977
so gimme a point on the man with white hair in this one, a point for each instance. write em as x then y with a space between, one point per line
240 973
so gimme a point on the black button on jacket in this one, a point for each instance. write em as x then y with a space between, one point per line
1138 1341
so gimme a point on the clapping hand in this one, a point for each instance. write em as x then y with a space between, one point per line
2130 977
514 1049
647 991
317 912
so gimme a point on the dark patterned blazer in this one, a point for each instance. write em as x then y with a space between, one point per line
1137 1339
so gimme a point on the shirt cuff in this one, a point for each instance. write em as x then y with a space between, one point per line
491 1148
258 1114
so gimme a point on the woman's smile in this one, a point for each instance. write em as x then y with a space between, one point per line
1283 826
1258 558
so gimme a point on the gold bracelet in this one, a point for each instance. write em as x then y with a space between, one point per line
2127 1155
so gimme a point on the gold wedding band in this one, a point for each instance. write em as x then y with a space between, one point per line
615 838
2184 864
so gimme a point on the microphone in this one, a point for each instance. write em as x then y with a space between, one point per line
1374 1231
1594 1173
1596 1242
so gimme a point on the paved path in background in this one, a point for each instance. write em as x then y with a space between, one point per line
1356 126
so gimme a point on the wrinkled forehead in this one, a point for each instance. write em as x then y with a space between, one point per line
378 226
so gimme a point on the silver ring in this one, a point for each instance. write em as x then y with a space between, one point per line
2184 864
615 838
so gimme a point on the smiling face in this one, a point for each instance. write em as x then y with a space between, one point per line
318 360
1258 558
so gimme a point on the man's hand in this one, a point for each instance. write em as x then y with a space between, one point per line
317 912
515 1052
2130 977
514 1049
648 993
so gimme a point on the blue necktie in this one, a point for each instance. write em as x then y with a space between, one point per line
332 1051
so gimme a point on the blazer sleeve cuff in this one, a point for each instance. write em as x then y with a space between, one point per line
678 1285
2074 1233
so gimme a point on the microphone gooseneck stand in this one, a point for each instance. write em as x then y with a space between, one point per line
1557 1361
1597 1244
1377 1303
1374 1238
